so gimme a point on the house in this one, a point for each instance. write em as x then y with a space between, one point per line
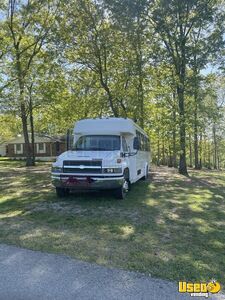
46 147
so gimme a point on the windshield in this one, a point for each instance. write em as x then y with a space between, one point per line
98 143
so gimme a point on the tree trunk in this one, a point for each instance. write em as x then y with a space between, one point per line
209 156
32 138
104 84
218 154
163 152
26 136
110 98
32 125
215 147
190 150
182 163
170 160
24 125
140 79
200 152
141 101
23 110
197 166
204 151
174 149
181 68
196 139
158 151
174 139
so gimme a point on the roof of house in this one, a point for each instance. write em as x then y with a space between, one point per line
3 143
38 138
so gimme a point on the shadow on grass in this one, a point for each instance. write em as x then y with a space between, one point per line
172 227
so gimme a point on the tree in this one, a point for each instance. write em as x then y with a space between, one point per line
27 24
10 126
174 21
205 46
97 46
130 18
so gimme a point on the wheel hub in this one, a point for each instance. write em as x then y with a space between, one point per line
125 186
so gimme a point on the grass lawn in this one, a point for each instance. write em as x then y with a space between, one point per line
170 227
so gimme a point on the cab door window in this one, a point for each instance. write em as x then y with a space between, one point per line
124 145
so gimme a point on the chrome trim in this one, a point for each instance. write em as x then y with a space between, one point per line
93 177
100 175
55 177
81 167
95 182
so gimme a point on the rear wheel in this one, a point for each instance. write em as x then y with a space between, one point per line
145 177
62 192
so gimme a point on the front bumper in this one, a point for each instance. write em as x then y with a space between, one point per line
82 182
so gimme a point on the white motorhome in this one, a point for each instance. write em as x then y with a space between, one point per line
106 153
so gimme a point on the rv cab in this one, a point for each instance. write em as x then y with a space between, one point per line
109 153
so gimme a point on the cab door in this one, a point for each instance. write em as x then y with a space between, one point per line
139 156
131 158
125 151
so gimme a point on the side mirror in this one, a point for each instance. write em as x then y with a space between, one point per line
136 144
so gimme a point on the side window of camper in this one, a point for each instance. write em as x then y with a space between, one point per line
124 145
139 138
143 141
147 145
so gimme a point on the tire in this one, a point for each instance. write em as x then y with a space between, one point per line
129 185
145 177
61 192
122 191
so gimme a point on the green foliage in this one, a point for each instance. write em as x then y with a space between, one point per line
10 126
68 60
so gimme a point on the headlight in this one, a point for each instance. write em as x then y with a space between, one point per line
56 169
113 170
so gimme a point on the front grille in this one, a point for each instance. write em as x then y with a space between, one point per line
95 163
82 166
82 171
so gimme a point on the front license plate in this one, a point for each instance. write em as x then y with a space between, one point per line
72 180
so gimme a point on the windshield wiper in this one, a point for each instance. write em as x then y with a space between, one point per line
92 149
86 149
95 149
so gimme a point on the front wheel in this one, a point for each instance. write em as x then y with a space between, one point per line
122 191
61 192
